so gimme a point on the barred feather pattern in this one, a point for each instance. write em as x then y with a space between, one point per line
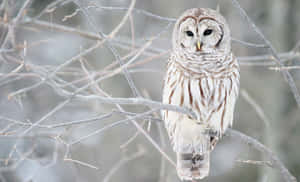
208 84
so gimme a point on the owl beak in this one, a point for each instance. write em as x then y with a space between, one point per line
199 45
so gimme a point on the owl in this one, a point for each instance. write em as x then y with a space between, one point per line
202 75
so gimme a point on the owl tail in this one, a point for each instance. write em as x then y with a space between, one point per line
192 166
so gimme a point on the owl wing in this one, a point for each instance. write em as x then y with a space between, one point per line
217 108
220 115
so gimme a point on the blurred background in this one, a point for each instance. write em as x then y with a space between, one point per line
58 56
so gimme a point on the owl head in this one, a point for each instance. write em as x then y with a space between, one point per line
201 31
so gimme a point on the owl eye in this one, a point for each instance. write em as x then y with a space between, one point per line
207 32
189 33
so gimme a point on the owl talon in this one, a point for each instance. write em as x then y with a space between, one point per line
213 133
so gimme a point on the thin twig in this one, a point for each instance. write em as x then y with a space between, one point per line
22 11
137 101
248 43
284 68
287 76
121 162
261 163
110 36
109 126
124 19
136 10
257 108
48 7
81 163
276 163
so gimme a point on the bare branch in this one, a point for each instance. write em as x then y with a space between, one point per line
257 108
49 7
81 163
276 163
108 44
285 68
123 161
261 163
22 11
248 43
287 76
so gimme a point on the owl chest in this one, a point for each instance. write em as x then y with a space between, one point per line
202 95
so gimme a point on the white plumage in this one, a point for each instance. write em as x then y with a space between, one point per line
204 79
